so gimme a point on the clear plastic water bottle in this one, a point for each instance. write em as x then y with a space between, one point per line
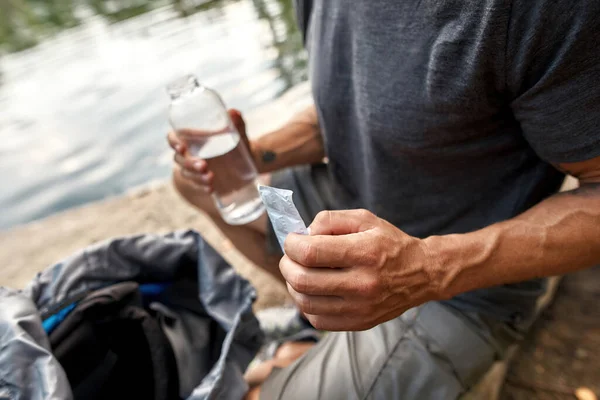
200 119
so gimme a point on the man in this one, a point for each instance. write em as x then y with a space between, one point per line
453 123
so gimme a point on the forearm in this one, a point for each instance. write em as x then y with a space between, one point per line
297 142
557 236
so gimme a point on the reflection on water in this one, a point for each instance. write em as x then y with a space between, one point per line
84 112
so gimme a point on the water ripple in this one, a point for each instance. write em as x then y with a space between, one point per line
84 113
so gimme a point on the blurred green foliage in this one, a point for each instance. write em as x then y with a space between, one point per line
23 23
291 62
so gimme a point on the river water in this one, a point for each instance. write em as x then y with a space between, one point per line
84 112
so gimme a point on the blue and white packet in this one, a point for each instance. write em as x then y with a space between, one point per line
282 212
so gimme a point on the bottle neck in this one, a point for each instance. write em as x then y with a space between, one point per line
183 86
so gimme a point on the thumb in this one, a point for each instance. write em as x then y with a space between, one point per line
343 222
238 121
240 125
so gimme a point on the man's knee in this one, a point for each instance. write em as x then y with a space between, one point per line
430 352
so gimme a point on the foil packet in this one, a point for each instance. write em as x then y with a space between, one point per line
282 212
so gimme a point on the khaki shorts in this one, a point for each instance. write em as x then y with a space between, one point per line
430 352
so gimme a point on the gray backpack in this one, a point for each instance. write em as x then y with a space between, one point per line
142 317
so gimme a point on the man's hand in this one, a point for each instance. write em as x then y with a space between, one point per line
194 169
355 271
298 142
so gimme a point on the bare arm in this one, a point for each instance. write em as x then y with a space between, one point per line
557 236
297 142
376 272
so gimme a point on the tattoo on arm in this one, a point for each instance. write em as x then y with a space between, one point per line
268 156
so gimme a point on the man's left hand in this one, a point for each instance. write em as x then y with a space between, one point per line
355 271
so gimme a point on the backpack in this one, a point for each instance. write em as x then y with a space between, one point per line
142 317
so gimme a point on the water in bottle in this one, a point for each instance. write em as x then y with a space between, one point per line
200 119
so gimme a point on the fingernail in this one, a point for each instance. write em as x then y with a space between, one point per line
198 165
178 148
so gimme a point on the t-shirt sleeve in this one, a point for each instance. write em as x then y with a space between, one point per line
553 76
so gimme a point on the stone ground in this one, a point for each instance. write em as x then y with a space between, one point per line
561 354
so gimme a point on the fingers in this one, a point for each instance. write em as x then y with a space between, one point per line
338 323
240 125
311 281
193 165
194 169
179 145
341 251
175 143
319 305
197 174
238 121
342 222
198 181
326 281
203 180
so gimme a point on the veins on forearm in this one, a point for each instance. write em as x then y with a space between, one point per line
548 239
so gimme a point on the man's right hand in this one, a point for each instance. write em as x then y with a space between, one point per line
297 142
196 169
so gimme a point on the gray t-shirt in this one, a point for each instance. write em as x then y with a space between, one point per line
444 116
